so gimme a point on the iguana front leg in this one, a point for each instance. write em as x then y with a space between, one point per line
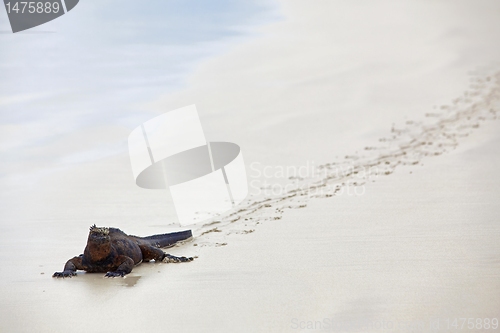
71 267
124 264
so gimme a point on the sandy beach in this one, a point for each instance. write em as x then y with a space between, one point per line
370 135
417 246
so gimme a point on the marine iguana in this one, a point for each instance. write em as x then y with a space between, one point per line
113 251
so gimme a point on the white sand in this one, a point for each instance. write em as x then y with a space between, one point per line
414 246
328 81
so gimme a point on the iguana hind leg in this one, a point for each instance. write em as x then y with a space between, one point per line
174 259
150 252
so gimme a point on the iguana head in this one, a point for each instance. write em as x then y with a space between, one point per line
98 235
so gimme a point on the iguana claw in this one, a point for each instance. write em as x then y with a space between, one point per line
114 274
64 274
173 259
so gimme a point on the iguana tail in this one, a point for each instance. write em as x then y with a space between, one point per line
167 240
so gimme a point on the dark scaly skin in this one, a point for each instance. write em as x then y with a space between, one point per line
111 251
